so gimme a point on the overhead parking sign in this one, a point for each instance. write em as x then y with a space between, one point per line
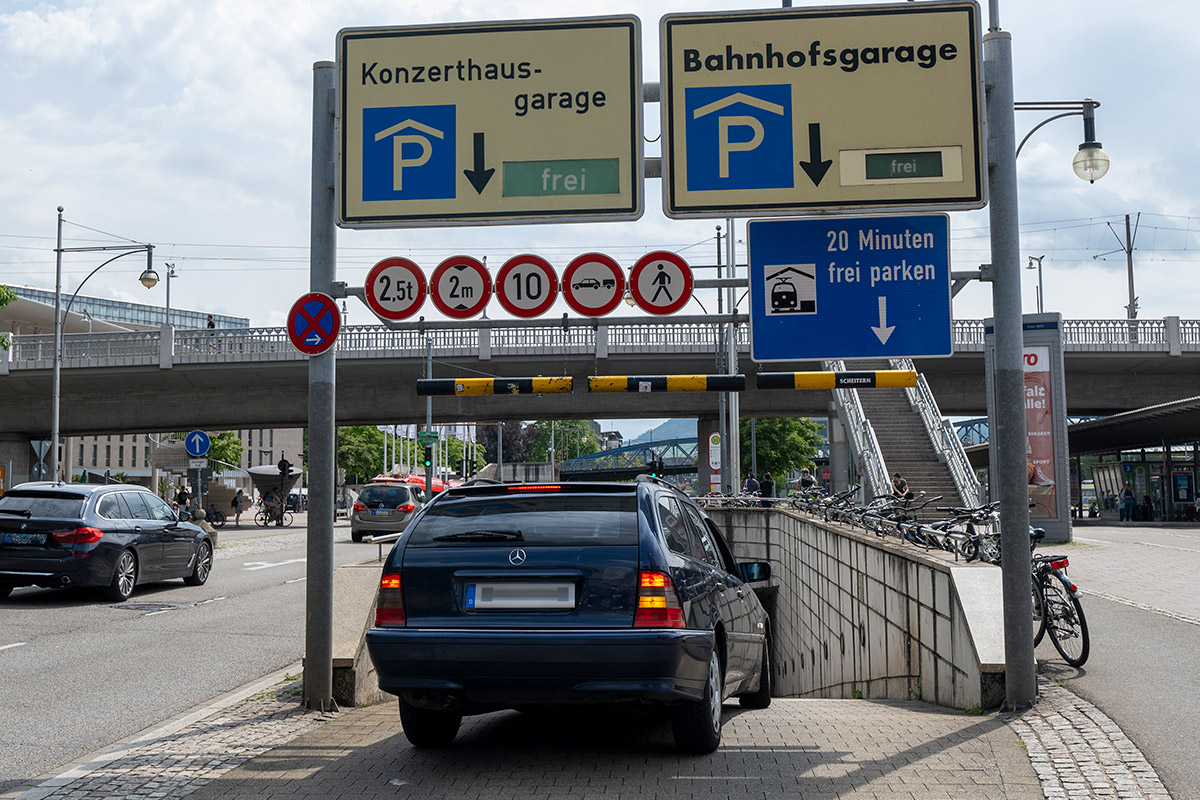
850 287
485 123
781 111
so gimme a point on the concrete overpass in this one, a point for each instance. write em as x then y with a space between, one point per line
146 381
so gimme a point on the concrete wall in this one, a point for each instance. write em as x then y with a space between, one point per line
853 612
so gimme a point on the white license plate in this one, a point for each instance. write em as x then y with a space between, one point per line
542 596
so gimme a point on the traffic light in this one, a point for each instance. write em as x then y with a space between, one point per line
428 456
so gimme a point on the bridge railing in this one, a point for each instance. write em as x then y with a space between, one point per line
860 435
1170 336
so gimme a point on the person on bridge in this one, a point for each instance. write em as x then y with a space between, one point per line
767 489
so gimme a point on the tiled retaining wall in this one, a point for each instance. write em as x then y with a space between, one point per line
856 613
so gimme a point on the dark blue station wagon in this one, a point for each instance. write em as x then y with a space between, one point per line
113 536
516 596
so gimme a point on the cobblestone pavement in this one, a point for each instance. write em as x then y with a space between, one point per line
1078 752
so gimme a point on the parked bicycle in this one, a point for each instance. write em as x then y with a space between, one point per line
1056 607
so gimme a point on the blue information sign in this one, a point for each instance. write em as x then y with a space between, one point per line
850 287
196 443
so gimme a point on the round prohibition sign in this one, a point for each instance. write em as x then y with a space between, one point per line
661 282
526 286
395 288
460 287
313 323
593 284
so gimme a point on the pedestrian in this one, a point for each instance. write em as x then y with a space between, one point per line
1127 503
900 487
807 481
766 488
750 485
182 498
237 503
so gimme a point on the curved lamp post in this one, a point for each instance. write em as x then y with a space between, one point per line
149 278
1091 162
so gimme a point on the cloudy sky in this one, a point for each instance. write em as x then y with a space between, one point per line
186 123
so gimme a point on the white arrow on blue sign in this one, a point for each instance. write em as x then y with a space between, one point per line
850 287
196 443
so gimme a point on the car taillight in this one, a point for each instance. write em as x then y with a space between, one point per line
658 605
389 610
1061 563
79 536
545 487
359 507
406 507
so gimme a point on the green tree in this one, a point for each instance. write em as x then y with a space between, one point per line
784 444
7 295
570 436
226 447
360 451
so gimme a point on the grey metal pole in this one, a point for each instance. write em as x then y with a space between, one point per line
731 361
500 451
54 398
429 415
1131 309
322 456
1009 434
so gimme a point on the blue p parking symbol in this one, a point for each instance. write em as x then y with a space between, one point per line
408 153
739 137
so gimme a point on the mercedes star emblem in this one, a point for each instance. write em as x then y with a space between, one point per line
516 557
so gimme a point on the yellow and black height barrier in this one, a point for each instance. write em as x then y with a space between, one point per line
866 379
483 386
667 383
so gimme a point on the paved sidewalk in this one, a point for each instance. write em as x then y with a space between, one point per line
268 747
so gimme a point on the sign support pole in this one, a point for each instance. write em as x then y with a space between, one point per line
322 458
1009 425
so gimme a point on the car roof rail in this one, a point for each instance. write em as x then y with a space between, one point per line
644 478
478 481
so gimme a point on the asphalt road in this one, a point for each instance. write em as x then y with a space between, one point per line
78 673
1142 605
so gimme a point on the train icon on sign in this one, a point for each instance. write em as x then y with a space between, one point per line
791 289
409 153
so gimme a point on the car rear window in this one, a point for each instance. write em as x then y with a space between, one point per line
540 519
43 504
387 495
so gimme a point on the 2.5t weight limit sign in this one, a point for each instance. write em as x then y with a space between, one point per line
395 288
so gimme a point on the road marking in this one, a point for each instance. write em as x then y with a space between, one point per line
250 566
209 600
296 580
11 646
164 611
1143 606
1143 544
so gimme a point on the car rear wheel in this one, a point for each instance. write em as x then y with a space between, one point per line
424 727
697 724
124 578
761 698
204 559
356 535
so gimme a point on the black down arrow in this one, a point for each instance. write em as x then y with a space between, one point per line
479 176
816 168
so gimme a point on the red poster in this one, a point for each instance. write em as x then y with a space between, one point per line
1039 432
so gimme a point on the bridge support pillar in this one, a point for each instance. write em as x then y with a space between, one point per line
16 458
839 453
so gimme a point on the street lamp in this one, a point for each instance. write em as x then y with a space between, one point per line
60 320
149 279
1090 162
1038 259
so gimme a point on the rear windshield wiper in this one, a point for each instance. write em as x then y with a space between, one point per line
481 536
19 512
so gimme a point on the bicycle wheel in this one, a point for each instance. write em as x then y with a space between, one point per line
287 518
261 518
1065 623
1039 612
218 518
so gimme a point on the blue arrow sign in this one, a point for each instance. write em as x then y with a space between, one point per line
196 443
850 287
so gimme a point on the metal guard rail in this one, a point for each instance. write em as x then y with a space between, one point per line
861 436
946 443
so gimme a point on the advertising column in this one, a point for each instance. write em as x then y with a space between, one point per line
1046 457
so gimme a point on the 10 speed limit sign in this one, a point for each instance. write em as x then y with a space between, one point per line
527 286
395 288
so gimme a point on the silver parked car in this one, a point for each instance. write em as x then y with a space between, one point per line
384 508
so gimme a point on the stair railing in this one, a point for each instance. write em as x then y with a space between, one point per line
945 441
861 436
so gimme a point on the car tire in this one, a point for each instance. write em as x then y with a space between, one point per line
124 578
356 536
761 697
424 727
204 560
696 724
